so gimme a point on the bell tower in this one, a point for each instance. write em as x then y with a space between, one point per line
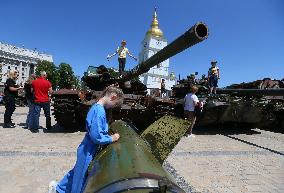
153 42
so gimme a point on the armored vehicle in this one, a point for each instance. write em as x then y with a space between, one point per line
257 104
71 106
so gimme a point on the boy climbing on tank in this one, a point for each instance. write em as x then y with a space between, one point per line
97 134
213 77
122 51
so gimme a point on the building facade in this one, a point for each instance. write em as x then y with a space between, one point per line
153 42
21 59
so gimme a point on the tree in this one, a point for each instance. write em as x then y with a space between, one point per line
77 82
50 69
67 78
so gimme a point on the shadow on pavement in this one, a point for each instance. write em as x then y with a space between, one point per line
224 131
274 130
58 129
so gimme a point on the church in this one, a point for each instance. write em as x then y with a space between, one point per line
153 42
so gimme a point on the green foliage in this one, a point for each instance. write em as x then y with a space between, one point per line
77 82
61 76
66 76
50 69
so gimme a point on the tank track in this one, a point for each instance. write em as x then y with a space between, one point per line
65 110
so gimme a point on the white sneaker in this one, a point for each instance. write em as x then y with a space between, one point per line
52 187
190 136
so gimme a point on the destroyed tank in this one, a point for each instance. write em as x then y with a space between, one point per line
257 104
71 106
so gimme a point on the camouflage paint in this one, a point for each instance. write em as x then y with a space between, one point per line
164 134
128 158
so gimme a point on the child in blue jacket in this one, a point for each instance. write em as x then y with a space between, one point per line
97 134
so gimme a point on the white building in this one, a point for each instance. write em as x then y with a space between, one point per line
153 42
21 59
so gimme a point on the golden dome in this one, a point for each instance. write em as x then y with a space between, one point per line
155 30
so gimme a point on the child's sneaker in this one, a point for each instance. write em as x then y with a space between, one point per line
190 136
52 187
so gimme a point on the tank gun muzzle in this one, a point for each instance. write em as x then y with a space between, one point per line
194 35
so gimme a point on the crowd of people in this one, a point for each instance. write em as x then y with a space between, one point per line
37 94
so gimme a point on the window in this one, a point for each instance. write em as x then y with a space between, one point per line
23 69
9 67
16 68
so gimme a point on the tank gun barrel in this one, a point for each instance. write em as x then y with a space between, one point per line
194 35
252 92
128 165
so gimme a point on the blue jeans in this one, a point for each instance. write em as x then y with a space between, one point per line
213 81
36 113
29 117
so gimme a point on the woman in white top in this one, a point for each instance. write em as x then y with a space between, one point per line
190 101
122 51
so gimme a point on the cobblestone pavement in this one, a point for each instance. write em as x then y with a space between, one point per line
247 161
250 162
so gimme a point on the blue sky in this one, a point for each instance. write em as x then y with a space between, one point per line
246 37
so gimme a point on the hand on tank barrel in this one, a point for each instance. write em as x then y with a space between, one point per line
115 137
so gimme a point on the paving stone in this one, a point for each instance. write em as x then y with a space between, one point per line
231 163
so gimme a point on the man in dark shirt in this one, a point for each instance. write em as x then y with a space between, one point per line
163 88
41 88
30 99
10 92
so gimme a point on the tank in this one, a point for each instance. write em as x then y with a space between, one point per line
134 163
257 104
71 106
